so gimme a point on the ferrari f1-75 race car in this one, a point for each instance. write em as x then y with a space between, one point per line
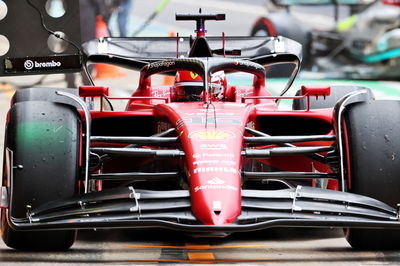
201 156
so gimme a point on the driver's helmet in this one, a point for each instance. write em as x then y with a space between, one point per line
188 86
218 85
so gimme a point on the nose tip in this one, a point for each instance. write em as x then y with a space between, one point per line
218 218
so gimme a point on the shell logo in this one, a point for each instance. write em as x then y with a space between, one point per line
211 135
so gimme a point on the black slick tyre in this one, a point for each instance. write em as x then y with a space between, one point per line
374 149
337 92
44 139
263 27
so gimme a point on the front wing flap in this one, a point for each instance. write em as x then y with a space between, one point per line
261 209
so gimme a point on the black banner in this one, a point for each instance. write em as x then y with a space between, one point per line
43 64
25 36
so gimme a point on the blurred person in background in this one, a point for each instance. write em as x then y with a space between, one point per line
89 10
111 7
123 17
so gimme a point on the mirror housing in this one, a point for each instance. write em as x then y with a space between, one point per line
316 91
93 91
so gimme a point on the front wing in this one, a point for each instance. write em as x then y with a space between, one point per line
261 209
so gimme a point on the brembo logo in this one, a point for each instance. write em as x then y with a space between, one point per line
29 64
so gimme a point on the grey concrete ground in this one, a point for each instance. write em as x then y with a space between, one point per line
273 247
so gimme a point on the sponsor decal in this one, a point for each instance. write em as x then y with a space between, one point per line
179 123
206 162
219 113
163 93
224 120
213 146
216 181
29 64
220 169
160 64
212 134
245 63
213 155
214 162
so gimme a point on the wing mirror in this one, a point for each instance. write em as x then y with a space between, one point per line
93 91
316 91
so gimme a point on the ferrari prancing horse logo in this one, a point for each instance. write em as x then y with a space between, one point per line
193 75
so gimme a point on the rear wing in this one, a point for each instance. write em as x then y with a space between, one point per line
135 53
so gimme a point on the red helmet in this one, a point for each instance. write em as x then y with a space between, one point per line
188 85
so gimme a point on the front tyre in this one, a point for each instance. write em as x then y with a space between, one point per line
374 146
44 139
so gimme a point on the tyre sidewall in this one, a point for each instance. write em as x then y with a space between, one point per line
374 148
44 139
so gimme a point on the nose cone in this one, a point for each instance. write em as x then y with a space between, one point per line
214 175
213 158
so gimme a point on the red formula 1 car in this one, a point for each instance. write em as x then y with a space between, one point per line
200 156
